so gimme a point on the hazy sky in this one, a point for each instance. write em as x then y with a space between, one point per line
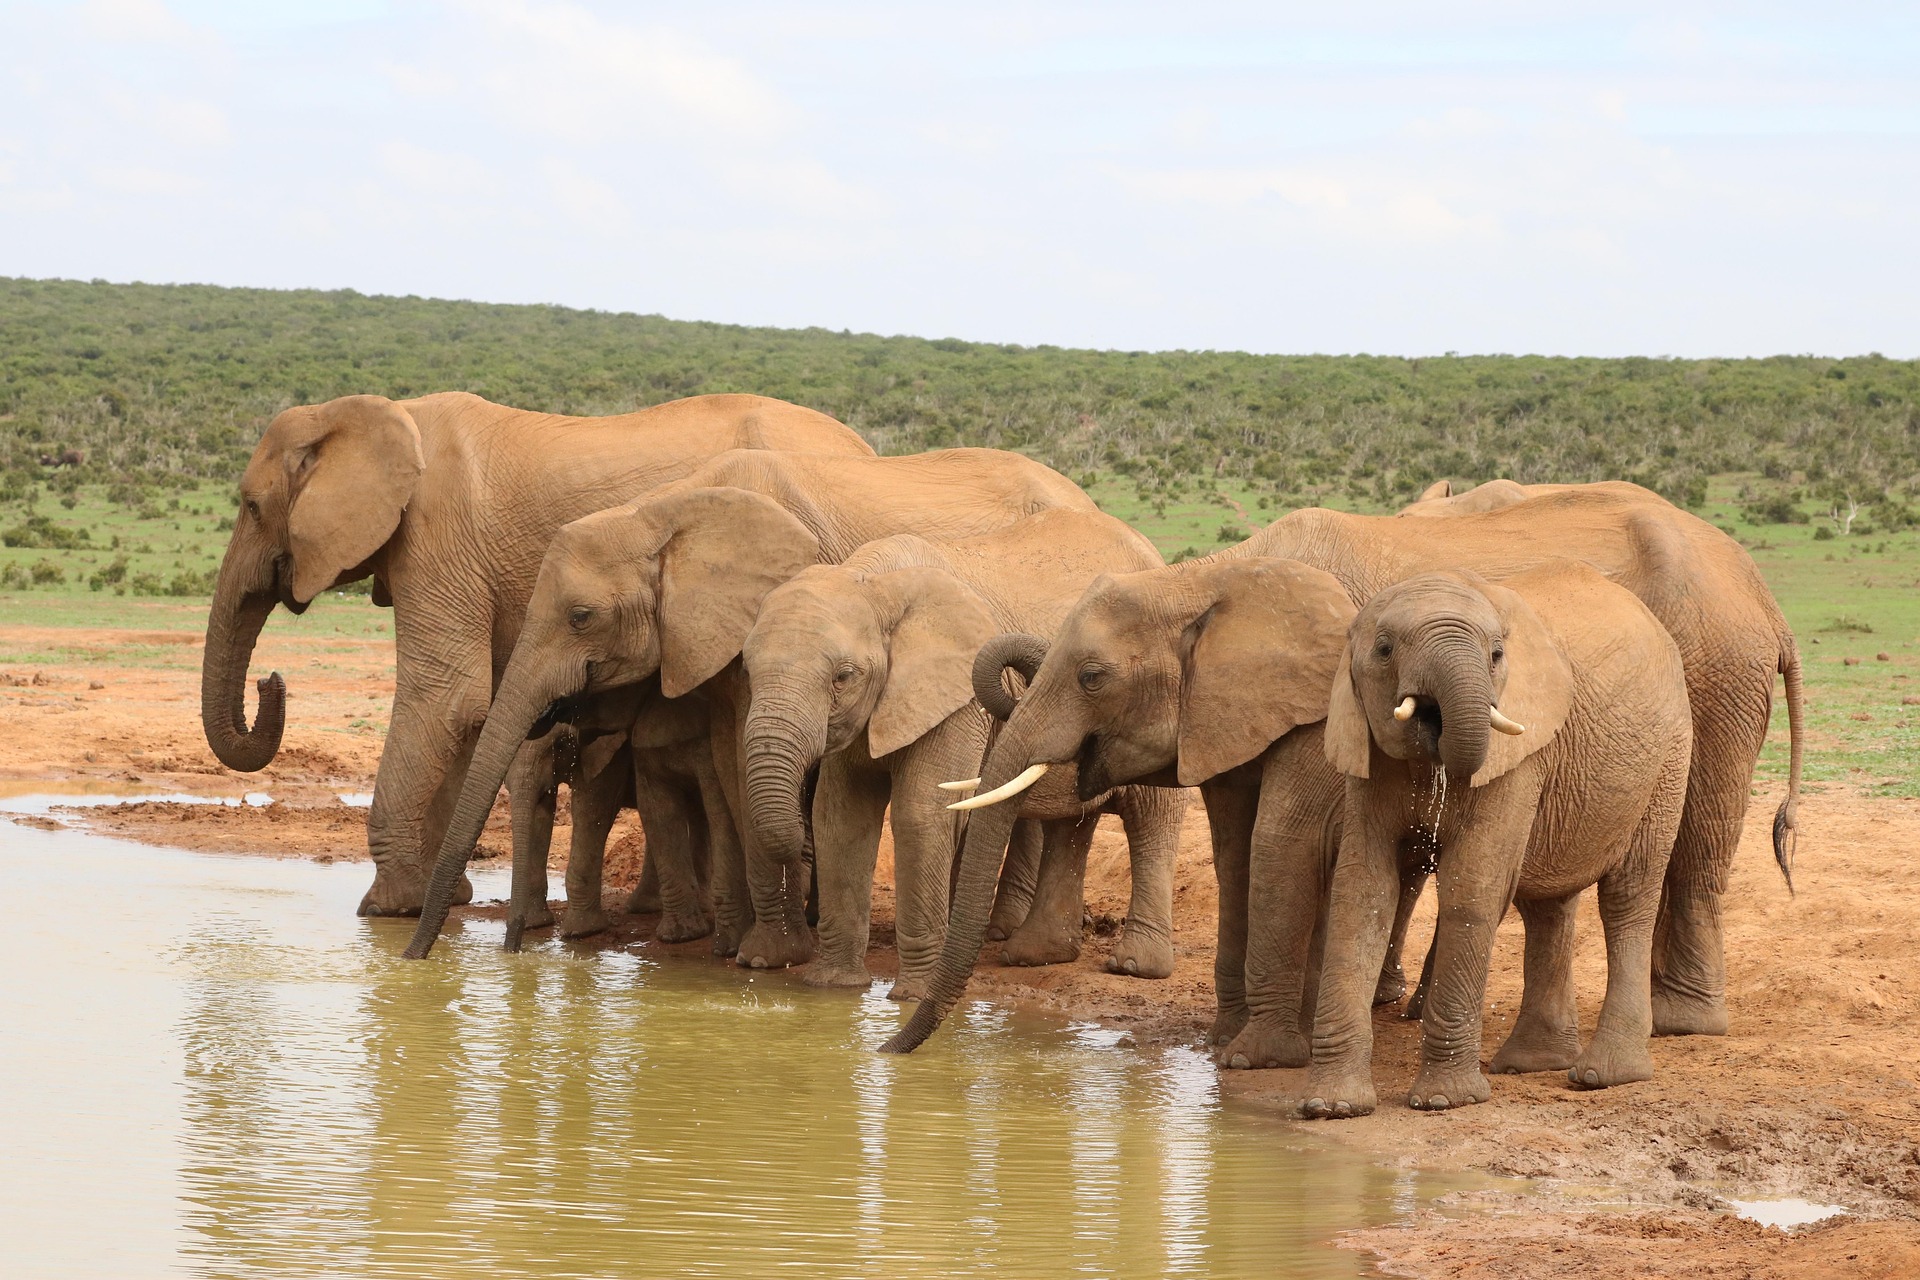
1409 178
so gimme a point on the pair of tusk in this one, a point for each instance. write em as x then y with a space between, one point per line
1021 781
965 784
1510 727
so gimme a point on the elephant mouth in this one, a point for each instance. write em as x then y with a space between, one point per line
1093 777
1424 725
565 710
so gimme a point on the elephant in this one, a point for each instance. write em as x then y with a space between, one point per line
1212 673
1733 641
1439 499
1583 784
448 502
863 672
670 585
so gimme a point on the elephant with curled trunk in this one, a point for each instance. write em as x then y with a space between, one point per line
863 672
670 586
448 502
1536 732
1733 642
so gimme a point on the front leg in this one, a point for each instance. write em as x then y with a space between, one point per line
1231 800
1546 1031
1359 920
602 785
1153 816
422 768
849 808
533 784
1051 932
674 823
1019 877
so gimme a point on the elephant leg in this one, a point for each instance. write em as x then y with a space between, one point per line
422 767
645 898
1474 885
1231 802
1153 816
1287 874
1417 1002
849 808
1689 959
1051 932
1393 979
1359 918
670 810
1546 1031
1629 902
602 785
1019 875
532 792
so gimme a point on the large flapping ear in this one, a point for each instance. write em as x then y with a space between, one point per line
349 483
1539 690
1349 743
724 550
940 626
1259 660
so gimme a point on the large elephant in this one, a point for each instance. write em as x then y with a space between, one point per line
449 503
1582 783
863 671
1212 673
671 584
1733 641
1439 499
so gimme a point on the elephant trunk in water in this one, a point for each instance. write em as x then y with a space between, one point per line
988 831
242 599
786 734
523 700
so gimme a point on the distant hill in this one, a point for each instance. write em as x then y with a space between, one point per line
174 383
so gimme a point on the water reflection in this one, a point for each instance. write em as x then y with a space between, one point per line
295 1100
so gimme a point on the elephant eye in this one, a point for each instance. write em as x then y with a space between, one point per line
253 508
579 616
1091 678
1498 653
1383 648
843 673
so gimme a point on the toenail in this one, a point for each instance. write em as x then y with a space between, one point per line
1239 1061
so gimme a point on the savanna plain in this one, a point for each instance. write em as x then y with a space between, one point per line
1813 1095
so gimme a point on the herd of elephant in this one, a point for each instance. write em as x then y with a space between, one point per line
729 614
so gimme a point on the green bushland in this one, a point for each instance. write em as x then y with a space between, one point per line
1814 463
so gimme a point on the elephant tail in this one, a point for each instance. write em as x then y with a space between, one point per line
1786 834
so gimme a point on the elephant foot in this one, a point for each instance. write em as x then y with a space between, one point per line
1139 956
767 947
1444 1088
1611 1060
1027 950
1226 1025
517 926
1391 986
399 892
726 937
1336 1093
644 900
1002 924
682 926
823 973
1535 1046
583 921
908 988
1416 1004
1677 1013
1261 1045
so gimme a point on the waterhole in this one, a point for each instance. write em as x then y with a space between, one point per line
214 1069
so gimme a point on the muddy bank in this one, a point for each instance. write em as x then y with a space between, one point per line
1813 1094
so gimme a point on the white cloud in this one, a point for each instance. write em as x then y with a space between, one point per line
135 21
142 180
584 198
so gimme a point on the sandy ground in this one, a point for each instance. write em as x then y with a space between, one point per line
1815 1093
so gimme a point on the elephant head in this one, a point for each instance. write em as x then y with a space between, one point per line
1169 676
324 492
667 585
1432 666
839 651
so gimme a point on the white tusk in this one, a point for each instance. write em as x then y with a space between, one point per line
965 784
1405 710
1503 724
1026 778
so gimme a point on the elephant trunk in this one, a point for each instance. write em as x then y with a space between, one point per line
1463 686
785 736
242 599
1016 649
521 701
988 831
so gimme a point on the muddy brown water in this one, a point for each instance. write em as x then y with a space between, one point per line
212 1068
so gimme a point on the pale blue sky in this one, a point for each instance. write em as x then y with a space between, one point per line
1394 177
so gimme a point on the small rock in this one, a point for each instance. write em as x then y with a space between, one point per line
1815 640
1850 662
1883 656
1859 715
1911 700
95 684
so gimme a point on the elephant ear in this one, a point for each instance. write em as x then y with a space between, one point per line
940 626
1259 661
1539 690
1438 489
724 550
350 483
1349 743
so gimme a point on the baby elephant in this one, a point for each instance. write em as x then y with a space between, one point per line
1534 735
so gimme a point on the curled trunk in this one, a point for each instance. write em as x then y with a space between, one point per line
973 891
785 736
241 602
1465 693
520 702
1016 649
